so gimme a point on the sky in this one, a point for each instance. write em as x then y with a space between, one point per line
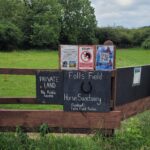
126 13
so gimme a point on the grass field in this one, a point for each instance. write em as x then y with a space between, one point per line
133 135
24 86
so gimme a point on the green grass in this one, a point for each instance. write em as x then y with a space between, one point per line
134 133
24 86
29 59
132 57
49 59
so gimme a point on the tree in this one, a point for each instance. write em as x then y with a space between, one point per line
146 43
10 36
10 17
78 22
41 23
11 10
120 36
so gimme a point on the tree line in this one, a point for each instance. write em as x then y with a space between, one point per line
42 24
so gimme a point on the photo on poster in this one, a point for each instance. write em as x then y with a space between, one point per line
69 57
137 76
86 57
105 57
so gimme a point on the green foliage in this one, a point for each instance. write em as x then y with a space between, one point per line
10 35
47 23
78 22
44 129
140 35
44 25
123 37
146 43
120 36
22 136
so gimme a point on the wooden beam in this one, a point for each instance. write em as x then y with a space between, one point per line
61 119
17 71
133 108
18 100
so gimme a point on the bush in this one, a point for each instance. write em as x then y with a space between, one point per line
10 36
44 36
146 43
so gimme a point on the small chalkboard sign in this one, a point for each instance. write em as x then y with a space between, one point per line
87 91
49 87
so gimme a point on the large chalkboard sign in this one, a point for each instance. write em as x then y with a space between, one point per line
127 90
49 87
87 91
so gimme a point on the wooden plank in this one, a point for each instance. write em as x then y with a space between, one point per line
61 119
133 108
18 100
18 71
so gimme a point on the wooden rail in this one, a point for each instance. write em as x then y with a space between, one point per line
18 100
54 119
28 118
130 109
16 71
61 119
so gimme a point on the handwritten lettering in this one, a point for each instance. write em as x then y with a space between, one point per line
82 75
85 99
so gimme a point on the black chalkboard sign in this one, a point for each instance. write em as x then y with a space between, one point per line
87 91
49 87
127 90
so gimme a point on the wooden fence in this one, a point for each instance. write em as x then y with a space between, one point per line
31 119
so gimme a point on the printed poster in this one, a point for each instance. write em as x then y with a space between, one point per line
69 57
137 76
104 57
86 57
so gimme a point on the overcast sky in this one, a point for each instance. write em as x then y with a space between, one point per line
127 13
